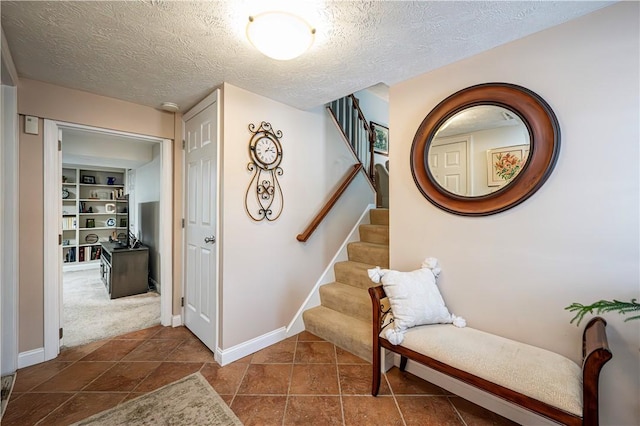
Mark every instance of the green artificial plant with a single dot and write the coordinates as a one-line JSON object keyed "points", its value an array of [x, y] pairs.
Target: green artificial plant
{"points": [[604, 306]]}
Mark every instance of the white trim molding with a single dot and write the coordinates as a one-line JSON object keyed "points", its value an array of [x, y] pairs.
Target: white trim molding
{"points": [[234, 353], [29, 358], [52, 224], [176, 321], [52, 249], [9, 221]]}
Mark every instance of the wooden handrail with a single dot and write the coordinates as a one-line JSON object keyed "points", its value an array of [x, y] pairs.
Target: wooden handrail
{"points": [[332, 201]]}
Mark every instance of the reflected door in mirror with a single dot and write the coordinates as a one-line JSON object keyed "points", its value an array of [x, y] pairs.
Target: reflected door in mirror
{"points": [[478, 150]]}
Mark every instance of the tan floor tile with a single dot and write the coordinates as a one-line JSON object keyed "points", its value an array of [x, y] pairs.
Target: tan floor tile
{"points": [[315, 353], [280, 353], [32, 407], [227, 399], [81, 406], [266, 379], [133, 395], [179, 333], [225, 380], [112, 350], [124, 376], [314, 379], [30, 377], [75, 377], [192, 350], [166, 373], [356, 380], [403, 383], [474, 415], [428, 411], [78, 352], [370, 411], [152, 350], [259, 410], [313, 410], [346, 357], [142, 334], [305, 336]]}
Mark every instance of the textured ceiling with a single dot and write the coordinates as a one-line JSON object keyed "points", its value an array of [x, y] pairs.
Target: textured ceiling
{"points": [[153, 51]]}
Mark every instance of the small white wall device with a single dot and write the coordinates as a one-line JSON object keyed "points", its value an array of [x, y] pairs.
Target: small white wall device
{"points": [[31, 124]]}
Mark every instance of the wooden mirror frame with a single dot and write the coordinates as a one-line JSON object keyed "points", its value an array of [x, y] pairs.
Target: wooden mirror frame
{"points": [[544, 133]]}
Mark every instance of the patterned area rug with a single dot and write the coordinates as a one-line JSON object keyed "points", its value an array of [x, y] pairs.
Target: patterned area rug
{"points": [[189, 401], [7, 387]]}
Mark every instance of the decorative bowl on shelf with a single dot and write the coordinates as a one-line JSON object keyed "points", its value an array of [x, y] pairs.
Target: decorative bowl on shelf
{"points": [[91, 238]]}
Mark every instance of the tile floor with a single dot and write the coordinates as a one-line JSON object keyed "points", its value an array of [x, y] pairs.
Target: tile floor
{"points": [[303, 380]]}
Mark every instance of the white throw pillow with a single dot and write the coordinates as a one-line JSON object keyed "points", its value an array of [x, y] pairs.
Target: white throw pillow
{"points": [[414, 298]]}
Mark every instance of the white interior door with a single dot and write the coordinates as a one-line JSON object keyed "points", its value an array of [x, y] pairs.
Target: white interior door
{"points": [[200, 302], [448, 164]]}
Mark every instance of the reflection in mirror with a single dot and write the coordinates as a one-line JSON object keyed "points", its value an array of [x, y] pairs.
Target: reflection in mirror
{"points": [[478, 150]]}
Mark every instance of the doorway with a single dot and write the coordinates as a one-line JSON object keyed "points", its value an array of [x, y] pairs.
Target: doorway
{"points": [[53, 133]]}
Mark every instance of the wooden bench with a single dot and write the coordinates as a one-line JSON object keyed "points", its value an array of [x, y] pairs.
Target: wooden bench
{"points": [[538, 380]]}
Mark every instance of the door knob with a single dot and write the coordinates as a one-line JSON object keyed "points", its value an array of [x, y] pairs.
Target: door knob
{"points": [[210, 240]]}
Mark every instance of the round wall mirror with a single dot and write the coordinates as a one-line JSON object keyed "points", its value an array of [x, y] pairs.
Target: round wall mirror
{"points": [[485, 149]]}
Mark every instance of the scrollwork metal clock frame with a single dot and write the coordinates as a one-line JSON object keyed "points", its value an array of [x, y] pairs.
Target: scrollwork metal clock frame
{"points": [[265, 151]]}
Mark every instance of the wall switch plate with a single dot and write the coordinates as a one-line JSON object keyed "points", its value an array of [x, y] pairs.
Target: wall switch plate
{"points": [[31, 124]]}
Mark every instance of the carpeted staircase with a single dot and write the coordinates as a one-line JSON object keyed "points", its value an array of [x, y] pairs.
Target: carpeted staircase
{"points": [[344, 315]]}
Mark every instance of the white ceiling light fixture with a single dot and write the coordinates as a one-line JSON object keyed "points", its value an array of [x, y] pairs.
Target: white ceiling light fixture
{"points": [[280, 35], [170, 106]]}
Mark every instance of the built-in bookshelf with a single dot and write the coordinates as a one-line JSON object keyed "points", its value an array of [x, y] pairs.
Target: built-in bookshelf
{"points": [[94, 209]]}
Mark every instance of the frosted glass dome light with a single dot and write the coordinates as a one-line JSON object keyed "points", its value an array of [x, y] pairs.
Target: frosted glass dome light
{"points": [[280, 35]]}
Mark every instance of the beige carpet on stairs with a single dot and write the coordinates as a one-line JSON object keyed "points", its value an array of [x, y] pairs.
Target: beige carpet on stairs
{"points": [[344, 315], [186, 402]]}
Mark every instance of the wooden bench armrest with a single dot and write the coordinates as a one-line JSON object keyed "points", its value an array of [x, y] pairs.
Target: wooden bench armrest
{"points": [[595, 354]]}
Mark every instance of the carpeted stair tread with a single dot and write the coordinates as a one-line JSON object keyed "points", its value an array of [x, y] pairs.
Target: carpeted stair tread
{"points": [[349, 300], [376, 254], [353, 273], [346, 332], [377, 234], [379, 216]]}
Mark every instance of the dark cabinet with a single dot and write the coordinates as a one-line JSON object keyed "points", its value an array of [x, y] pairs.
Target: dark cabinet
{"points": [[124, 271]]}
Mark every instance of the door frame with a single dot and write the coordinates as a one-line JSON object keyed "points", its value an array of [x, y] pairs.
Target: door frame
{"points": [[9, 221], [214, 97], [52, 255]]}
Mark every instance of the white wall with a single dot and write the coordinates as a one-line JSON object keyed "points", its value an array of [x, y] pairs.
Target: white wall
{"points": [[375, 109], [577, 238], [148, 178], [266, 273], [92, 149]]}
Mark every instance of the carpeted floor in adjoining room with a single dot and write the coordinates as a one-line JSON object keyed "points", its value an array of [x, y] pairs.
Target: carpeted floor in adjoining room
{"points": [[90, 315], [303, 380]]}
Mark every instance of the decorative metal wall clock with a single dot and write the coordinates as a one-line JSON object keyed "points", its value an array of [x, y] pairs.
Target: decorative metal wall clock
{"points": [[263, 199]]}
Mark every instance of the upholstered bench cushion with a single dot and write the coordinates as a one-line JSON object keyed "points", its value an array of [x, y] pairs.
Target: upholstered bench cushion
{"points": [[531, 371]]}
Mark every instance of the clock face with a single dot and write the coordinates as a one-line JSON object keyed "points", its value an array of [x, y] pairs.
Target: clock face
{"points": [[65, 193], [266, 151]]}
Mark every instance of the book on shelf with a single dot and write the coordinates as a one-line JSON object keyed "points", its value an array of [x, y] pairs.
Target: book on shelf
{"points": [[69, 223], [70, 255]]}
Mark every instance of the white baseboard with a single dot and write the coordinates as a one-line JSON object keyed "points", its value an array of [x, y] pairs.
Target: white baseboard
{"points": [[313, 299], [29, 358], [234, 353], [176, 321], [475, 395]]}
